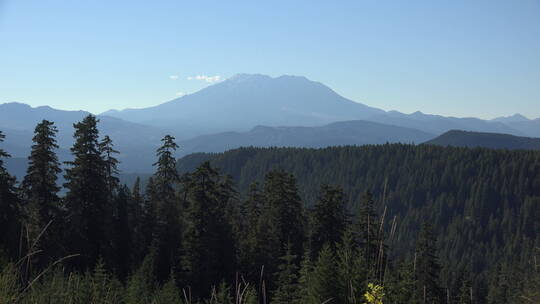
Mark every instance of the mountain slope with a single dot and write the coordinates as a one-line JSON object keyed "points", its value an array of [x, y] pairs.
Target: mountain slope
{"points": [[438, 124], [244, 101], [336, 134], [459, 138], [489, 198]]}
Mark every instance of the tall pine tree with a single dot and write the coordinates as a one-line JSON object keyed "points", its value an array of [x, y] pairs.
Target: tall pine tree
{"points": [[208, 235], [168, 230], [86, 199], [284, 211], [41, 193]]}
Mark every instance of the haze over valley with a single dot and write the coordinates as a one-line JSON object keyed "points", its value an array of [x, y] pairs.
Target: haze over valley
{"points": [[248, 110]]}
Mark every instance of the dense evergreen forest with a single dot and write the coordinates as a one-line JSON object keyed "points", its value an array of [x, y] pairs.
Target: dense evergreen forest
{"points": [[374, 224]]}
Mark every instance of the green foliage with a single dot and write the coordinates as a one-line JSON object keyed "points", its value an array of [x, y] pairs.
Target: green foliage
{"points": [[287, 279], [10, 209], [86, 202], [329, 218], [168, 293], [427, 268], [189, 233], [400, 284], [323, 285], [374, 294], [106, 147], [305, 279], [483, 203], [221, 295], [283, 216], [140, 285], [39, 184], [352, 269], [368, 236], [9, 289], [207, 237], [465, 295]]}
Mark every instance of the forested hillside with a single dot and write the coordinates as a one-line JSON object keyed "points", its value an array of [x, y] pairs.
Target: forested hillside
{"points": [[484, 204], [458, 138], [384, 224]]}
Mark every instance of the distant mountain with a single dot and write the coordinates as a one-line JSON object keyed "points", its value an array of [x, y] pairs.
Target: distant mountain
{"points": [[136, 142], [458, 138], [357, 132], [244, 101], [530, 128], [438, 124], [511, 119]]}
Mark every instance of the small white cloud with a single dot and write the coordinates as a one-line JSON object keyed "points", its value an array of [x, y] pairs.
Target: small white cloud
{"points": [[180, 94], [173, 77], [206, 78]]}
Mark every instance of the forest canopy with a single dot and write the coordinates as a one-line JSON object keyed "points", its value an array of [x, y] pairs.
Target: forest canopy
{"points": [[391, 223]]}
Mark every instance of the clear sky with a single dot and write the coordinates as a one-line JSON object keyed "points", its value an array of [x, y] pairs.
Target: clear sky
{"points": [[460, 57]]}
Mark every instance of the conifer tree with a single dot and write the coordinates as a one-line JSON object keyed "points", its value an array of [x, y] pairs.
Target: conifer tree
{"points": [[168, 231], [329, 218], [88, 212], [106, 147], [41, 192], [465, 291], [366, 231], [147, 225], [10, 213], [499, 286], [400, 284], [221, 295], [253, 234], [427, 268], [166, 175], [352, 271], [136, 222], [287, 279], [122, 233], [323, 284], [141, 284], [283, 212], [249, 296], [305, 279], [207, 236], [168, 293]]}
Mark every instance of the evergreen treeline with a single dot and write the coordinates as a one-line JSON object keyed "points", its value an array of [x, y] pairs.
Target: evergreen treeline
{"points": [[484, 204], [295, 234]]}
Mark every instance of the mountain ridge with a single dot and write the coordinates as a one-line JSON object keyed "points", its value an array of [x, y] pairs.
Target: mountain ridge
{"points": [[246, 100], [356, 132], [459, 138]]}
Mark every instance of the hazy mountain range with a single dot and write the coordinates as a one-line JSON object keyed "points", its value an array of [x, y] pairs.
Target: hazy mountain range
{"points": [[137, 142], [248, 110]]}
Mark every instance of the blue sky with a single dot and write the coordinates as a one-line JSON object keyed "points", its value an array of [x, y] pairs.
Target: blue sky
{"points": [[460, 58]]}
